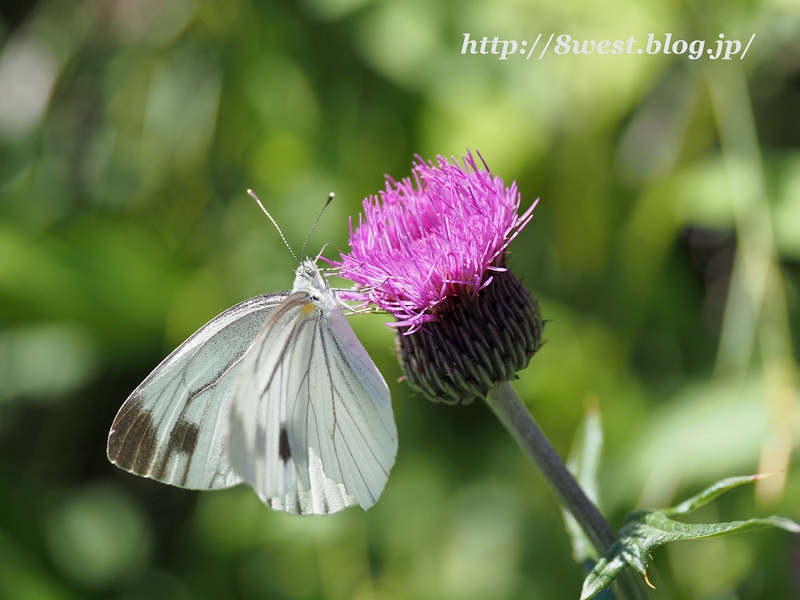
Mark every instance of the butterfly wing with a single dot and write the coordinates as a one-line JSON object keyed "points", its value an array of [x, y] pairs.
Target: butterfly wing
{"points": [[322, 495], [258, 439], [312, 429], [350, 424], [172, 427]]}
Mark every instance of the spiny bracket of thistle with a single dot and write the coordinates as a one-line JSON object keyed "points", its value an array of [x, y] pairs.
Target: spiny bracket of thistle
{"points": [[475, 342], [647, 529]]}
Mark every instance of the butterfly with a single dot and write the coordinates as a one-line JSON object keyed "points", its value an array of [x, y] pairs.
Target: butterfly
{"points": [[276, 392]]}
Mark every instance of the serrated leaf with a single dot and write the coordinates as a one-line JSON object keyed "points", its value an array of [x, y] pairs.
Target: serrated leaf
{"points": [[647, 529], [584, 464]]}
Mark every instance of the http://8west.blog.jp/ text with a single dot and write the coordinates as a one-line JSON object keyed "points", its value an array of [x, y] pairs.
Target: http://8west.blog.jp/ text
{"points": [[720, 49]]}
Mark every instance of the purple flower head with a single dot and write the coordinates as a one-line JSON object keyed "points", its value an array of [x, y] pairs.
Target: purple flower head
{"points": [[437, 235]]}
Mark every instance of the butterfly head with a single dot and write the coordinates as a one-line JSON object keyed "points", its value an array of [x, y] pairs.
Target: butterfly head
{"points": [[309, 279]]}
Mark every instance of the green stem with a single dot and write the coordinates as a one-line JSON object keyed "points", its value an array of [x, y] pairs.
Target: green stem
{"points": [[508, 407]]}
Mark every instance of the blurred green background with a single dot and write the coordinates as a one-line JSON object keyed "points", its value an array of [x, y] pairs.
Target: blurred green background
{"points": [[665, 250]]}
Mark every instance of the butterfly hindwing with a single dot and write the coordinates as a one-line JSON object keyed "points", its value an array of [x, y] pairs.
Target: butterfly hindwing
{"points": [[172, 427], [322, 496], [351, 424]]}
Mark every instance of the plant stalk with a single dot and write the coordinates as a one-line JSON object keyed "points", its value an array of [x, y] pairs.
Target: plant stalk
{"points": [[507, 406]]}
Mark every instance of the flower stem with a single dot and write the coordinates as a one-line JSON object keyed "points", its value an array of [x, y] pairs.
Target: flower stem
{"points": [[508, 407]]}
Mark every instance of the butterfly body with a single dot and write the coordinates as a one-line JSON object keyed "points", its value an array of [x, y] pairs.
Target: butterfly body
{"points": [[276, 392]]}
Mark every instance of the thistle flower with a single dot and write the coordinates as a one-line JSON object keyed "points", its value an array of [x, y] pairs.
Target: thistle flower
{"points": [[431, 251]]}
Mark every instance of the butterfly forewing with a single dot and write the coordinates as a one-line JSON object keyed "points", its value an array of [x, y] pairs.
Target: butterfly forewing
{"points": [[172, 427], [259, 437]]}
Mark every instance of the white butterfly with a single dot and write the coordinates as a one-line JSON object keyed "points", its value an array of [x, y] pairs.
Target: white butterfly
{"points": [[276, 392]]}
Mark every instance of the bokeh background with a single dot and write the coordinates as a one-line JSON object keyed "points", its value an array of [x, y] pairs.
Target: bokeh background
{"points": [[665, 251]]}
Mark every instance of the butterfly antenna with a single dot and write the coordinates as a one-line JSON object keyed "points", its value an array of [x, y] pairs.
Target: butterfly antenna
{"points": [[314, 226], [266, 212]]}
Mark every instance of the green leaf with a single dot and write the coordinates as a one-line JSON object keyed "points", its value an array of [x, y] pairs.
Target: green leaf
{"points": [[709, 494], [584, 464], [647, 529]]}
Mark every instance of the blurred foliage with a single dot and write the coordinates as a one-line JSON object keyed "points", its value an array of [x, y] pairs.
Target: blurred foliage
{"points": [[665, 250]]}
